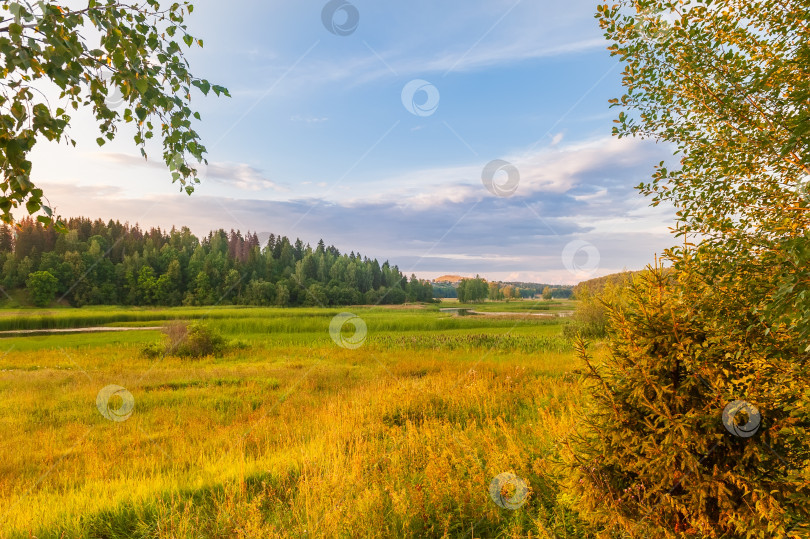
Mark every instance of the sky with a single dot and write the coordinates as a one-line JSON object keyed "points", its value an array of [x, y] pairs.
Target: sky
{"points": [[446, 137]]}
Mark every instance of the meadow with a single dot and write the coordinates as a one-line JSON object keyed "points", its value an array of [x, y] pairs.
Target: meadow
{"points": [[288, 433]]}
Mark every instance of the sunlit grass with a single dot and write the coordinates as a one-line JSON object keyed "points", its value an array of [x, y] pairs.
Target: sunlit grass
{"points": [[291, 435]]}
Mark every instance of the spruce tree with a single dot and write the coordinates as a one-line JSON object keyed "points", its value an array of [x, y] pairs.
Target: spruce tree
{"points": [[698, 422]]}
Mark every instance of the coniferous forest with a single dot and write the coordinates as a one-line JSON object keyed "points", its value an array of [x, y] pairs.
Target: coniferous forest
{"points": [[98, 263]]}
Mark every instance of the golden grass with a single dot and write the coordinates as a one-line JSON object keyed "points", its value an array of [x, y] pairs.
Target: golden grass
{"points": [[283, 440]]}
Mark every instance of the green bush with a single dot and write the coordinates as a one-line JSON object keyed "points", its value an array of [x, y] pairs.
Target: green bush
{"points": [[42, 286], [590, 320], [189, 340], [663, 449]]}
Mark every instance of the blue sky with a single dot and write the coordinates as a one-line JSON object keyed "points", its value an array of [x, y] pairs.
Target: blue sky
{"points": [[318, 140]]}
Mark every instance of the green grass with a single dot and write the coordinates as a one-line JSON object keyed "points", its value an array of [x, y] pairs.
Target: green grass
{"points": [[289, 436], [516, 306], [283, 319], [100, 316]]}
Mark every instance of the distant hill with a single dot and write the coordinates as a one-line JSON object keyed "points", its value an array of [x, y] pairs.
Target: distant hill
{"points": [[598, 284], [453, 279]]}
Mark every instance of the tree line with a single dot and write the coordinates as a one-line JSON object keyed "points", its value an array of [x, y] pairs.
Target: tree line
{"points": [[479, 289], [98, 263]]}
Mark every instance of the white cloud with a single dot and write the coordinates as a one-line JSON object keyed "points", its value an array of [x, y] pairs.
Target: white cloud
{"points": [[599, 195], [366, 68], [308, 119], [544, 170], [487, 257], [239, 175]]}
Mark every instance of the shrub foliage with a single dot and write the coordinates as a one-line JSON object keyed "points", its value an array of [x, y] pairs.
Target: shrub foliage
{"points": [[657, 457], [188, 340]]}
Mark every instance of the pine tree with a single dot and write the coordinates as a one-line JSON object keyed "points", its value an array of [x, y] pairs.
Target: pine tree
{"points": [[6, 239], [693, 429]]}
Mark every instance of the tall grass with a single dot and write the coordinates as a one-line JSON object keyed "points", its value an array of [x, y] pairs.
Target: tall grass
{"points": [[504, 342], [292, 437]]}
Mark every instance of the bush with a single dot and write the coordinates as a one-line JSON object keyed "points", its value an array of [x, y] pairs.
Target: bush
{"points": [[315, 296], [590, 319], [189, 340], [42, 287], [259, 292], [665, 448]]}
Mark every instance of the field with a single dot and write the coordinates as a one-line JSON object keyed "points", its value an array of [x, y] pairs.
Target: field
{"points": [[289, 433]]}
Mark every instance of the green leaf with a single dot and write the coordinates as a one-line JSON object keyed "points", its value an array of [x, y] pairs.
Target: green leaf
{"points": [[203, 85], [142, 85], [221, 90], [32, 205]]}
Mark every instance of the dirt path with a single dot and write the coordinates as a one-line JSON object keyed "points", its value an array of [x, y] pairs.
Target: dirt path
{"points": [[23, 332]]}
